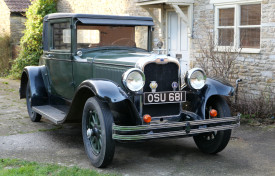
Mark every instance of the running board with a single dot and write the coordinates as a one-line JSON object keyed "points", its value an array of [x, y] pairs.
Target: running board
{"points": [[55, 115]]}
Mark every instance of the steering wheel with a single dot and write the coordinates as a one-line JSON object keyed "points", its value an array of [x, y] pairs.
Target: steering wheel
{"points": [[124, 42]]}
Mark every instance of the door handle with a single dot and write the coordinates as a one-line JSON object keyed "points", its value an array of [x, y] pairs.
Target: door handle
{"points": [[49, 55]]}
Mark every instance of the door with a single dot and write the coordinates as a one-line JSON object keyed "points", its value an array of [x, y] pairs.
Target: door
{"points": [[59, 59], [177, 39]]}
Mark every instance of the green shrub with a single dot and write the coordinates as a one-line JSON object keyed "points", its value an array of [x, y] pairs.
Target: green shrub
{"points": [[31, 42], [5, 54]]}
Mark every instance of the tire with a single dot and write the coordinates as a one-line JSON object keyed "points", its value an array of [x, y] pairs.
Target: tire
{"points": [[97, 132], [33, 115], [214, 142]]}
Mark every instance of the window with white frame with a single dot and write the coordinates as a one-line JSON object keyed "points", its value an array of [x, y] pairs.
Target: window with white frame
{"points": [[238, 26]]}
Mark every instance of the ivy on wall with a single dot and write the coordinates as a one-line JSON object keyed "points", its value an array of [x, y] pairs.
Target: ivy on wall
{"points": [[31, 42]]}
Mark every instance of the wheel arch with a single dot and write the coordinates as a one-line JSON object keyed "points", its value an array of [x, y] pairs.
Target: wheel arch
{"points": [[215, 89], [33, 75], [23, 84], [106, 91]]}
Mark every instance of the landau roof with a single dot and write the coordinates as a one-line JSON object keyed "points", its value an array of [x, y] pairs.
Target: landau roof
{"points": [[104, 19]]}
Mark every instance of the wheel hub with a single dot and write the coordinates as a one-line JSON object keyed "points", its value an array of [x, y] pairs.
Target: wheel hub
{"points": [[89, 133]]}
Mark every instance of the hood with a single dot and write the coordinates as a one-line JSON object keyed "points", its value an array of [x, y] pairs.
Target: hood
{"points": [[123, 57]]}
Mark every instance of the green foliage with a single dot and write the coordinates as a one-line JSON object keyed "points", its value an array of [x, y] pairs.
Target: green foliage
{"points": [[5, 54], [17, 167], [31, 42]]}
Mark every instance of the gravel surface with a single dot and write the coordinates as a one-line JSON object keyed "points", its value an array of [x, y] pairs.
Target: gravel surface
{"points": [[251, 150]]}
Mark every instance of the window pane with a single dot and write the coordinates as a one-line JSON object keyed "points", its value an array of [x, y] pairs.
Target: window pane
{"points": [[61, 36], [251, 14], [107, 36], [226, 17], [250, 38], [88, 36], [226, 37]]}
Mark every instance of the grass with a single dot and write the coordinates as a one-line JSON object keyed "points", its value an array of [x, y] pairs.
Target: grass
{"points": [[16, 167]]}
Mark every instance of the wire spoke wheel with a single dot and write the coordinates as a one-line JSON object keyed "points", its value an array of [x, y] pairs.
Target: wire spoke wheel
{"points": [[97, 122], [93, 126]]}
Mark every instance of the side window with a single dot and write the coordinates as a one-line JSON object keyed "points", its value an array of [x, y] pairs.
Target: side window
{"points": [[61, 36]]}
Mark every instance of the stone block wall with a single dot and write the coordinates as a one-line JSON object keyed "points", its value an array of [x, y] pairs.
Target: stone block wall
{"points": [[106, 7], [4, 18], [17, 27], [256, 70]]}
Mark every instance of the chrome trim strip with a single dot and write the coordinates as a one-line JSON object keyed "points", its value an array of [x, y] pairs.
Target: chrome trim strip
{"points": [[175, 124], [181, 133], [154, 58], [112, 64]]}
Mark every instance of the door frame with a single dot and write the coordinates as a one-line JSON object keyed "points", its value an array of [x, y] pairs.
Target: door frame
{"points": [[188, 38]]}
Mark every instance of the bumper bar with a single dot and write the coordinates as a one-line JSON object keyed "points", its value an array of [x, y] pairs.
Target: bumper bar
{"points": [[176, 129]]}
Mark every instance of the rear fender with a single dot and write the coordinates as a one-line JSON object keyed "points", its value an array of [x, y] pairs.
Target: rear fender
{"points": [[33, 75]]}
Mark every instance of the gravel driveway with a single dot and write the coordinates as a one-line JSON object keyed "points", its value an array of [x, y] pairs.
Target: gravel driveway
{"points": [[251, 150]]}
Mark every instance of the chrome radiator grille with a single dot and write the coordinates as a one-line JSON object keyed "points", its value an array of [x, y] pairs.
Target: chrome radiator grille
{"points": [[164, 75]]}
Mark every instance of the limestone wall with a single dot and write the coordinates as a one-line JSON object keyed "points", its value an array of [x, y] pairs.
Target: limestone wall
{"points": [[4, 18], [256, 70], [108, 7], [17, 27]]}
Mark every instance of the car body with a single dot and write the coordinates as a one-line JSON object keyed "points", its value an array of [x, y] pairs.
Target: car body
{"points": [[100, 70]]}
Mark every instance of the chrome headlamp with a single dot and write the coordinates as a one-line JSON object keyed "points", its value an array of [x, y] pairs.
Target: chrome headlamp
{"points": [[133, 79], [196, 78]]}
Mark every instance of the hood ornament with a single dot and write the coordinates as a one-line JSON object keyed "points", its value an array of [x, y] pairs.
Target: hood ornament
{"points": [[153, 85], [175, 85]]}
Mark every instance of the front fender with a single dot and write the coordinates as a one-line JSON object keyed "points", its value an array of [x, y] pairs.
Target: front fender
{"points": [[213, 88], [105, 90], [109, 92], [33, 75]]}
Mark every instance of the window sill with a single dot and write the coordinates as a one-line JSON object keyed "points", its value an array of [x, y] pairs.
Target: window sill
{"points": [[243, 50], [223, 2]]}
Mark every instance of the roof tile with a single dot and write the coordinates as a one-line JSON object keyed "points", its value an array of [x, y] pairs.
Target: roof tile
{"points": [[18, 5]]}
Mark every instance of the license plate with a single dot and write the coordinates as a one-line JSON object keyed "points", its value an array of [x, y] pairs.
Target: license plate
{"points": [[164, 97]]}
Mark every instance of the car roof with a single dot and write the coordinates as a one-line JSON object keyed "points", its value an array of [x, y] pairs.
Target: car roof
{"points": [[104, 19]]}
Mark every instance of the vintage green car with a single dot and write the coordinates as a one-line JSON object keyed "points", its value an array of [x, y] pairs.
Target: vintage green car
{"points": [[100, 70]]}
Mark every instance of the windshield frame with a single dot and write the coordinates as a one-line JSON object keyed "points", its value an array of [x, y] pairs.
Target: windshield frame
{"points": [[75, 45]]}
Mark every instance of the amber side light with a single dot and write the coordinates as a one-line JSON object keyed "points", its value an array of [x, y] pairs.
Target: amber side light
{"points": [[147, 118], [213, 113]]}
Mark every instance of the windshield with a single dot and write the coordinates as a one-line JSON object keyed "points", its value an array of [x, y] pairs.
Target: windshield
{"points": [[125, 36]]}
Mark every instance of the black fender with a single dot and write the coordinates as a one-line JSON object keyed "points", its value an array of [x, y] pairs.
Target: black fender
{"points": [[213, 88], [33, 75], [108, 92]]}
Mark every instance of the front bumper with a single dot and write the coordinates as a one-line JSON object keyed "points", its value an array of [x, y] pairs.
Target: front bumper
{"points": [[176, 129]]}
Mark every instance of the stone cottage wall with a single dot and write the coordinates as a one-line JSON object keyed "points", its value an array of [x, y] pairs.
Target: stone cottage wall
{"points": [[107, 7], [17, 27], [4, 18], [17, 23], [256, 70]]}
